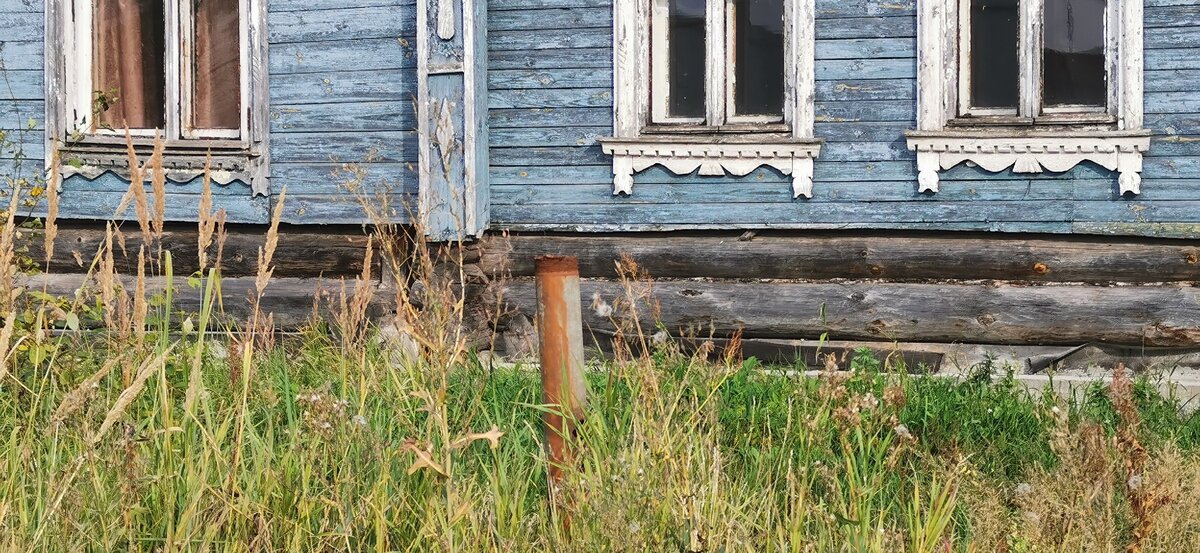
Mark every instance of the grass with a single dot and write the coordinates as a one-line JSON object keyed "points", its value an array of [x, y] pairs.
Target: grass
{"points": [[167, 431], [677, 454]]}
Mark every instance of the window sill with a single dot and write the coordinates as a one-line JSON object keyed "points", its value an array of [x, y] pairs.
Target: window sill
{"points": [[1029, 151], [738, 155], [183, 161]]}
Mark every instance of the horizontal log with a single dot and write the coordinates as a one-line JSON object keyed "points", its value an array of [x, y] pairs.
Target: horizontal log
{"points": [[820, 257], [303, 253], [291, 301], [979, 313]]}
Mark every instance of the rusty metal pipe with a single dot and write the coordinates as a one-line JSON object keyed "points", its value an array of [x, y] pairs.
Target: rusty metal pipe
{"points": [[560, 337]]}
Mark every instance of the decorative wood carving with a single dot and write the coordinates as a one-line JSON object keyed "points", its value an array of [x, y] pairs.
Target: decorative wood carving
{"points": [[789, 156], [945, 137], [443, 133], [445, 19], [1115, 151], [634, 149]]}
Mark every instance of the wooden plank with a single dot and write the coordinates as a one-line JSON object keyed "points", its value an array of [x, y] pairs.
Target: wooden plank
{"points": [[328, 252], [775, 255], [290, 300], [343, 208], [345, 146], [392, 52], [20, 56], [343, 86], [1149, 315], [396, 115], [342, 24], [18, 6]]}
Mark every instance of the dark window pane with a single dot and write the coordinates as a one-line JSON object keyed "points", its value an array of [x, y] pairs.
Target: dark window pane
{"points": [[217, 74], [994, 38], [1074, 53], [758, 57], [128, 69], [686, 74]]}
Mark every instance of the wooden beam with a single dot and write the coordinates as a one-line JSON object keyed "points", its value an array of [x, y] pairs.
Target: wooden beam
{"points": [[331, 252], [291, 300], [983, 313], [821, 257]]}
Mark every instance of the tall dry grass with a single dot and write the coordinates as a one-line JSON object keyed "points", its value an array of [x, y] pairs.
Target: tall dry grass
{"points": [[146, 428]]}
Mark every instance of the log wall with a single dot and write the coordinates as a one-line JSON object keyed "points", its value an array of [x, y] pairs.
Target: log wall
{"points": [[984, 289]]}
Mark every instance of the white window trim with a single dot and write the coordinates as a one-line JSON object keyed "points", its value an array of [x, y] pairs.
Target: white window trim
{"points": [[790, 151], [239, 155], [944, 139]]}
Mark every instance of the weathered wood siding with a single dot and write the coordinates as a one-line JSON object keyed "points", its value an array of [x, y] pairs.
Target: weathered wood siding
{"points": [[342, 77], [21, 105], [550, 86], [343, 82]]}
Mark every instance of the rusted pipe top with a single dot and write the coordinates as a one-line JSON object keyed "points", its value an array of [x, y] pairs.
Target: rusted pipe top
{"points": [[556, 265]]}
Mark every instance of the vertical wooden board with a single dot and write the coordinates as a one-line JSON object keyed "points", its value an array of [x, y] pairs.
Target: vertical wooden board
{"points": [[445, 41], [442, 173], [476, 158]]}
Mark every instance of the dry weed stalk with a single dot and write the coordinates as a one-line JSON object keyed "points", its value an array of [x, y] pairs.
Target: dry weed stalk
{"points": [[140, 305], [52, 190], [6, 334], [351, 315], [158, 185], [147, 368], [113, 295], [8, 258], [207, 223], [430, 284], [78, 397], [137, 189], [630, 312], [1145, 499]]}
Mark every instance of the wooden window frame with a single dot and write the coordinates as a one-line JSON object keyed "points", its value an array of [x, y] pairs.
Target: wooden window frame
{"points": [[237, 154], [1031, 139], [1030, 107], [736, 145], [720, 78]]}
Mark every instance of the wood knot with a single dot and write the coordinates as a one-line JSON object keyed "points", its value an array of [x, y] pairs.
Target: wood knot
{"points": [[688, 292], [876, 270], [986, 319], [1040, 268], [1192, 258]]}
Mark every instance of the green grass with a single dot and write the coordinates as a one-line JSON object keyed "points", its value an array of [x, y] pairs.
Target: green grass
{"points": [[675, 455]]}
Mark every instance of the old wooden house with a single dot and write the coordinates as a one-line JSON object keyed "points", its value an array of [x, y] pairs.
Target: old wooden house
{"points": [[973, 171]]}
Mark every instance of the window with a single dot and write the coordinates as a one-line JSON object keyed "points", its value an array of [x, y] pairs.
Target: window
{"points": [[182, 70], [1031, 85], [1065, 67], [745, 81], [719, 86]]}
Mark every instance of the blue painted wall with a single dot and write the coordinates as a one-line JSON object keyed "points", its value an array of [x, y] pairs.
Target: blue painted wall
{"points": [[342, 77], [551, 97], [342, 80]]}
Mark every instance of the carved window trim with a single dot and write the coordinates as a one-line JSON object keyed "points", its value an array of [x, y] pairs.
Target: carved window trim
{"points": [[739, 149], [1030, 142], [236, 156]]}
